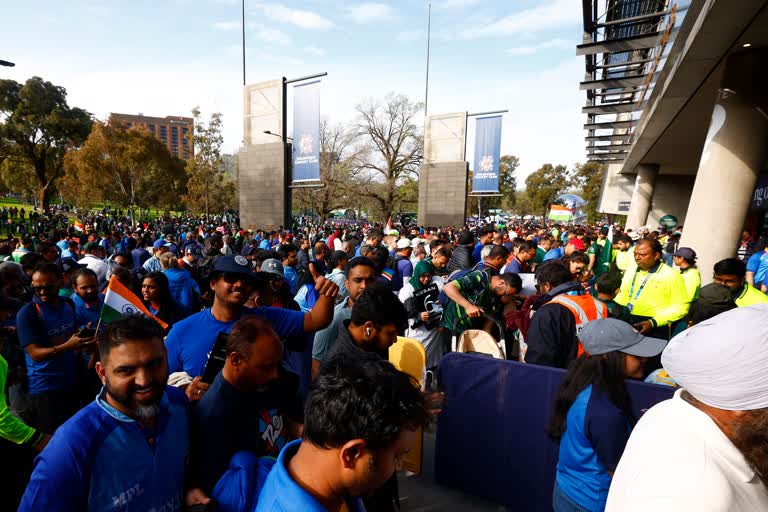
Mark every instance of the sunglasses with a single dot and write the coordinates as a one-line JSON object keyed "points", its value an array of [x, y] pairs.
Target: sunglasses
{"points": [[234, 277], [44, 288]]}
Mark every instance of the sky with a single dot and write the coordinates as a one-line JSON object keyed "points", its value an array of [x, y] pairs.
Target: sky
{"points": [[164, 57]]}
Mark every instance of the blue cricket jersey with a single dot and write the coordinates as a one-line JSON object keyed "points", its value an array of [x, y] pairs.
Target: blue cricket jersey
{"points": [[190, 341], [101, 460]]}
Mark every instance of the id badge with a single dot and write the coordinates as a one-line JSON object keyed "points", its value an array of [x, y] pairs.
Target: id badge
{"points": [[630, 307]]}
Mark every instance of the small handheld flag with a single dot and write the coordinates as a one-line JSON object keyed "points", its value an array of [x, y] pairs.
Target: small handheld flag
{"points": [[119, 301]]}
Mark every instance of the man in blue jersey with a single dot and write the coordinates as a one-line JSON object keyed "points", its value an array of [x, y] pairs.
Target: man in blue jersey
{"points": [[126, 450], [345, 454], [190, 341], [48, 334]]}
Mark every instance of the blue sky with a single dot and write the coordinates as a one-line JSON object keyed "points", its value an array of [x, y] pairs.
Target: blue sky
{"points": [[163, 57]]}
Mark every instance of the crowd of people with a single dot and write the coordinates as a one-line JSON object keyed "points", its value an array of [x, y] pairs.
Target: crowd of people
{"points": [[263, 344]]}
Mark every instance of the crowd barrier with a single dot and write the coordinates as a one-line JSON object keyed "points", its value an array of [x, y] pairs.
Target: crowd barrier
{"points": [[491, 441]]}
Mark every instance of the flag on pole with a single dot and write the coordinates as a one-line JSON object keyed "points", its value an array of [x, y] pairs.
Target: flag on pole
{"points": [[79, 226], [120, 301], [389, 229]]}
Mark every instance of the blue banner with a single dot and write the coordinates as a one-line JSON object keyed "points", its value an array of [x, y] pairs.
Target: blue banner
{"points": [[485, 173], [306, 132]]}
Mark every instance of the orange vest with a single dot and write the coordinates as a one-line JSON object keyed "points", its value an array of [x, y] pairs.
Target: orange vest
{"points": [[584, 309]]}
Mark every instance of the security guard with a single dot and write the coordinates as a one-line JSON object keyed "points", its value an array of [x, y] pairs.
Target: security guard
{"points": [[731, 272], [685, 259], [653, 292]]}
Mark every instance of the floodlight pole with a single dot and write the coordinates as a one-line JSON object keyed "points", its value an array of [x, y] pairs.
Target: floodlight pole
{"points": [[243, 23], [426, 86]]}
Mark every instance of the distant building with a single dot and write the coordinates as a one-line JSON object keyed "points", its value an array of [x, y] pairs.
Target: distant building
{"points": [[173, 131]]}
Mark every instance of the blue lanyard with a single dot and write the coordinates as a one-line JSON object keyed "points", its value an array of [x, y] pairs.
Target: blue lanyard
{"points": [[642, 285]]}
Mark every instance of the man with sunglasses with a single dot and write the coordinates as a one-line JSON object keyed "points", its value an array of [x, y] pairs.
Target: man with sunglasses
{"points": [[190, 341], [47, 333]]}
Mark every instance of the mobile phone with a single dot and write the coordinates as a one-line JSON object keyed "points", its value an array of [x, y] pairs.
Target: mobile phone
{"points": [[86, 333]]}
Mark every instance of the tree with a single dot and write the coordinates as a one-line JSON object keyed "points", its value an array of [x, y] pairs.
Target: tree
{"points": [[130, 167], [588, 179], [39, 127], [207, 183], [391, 148], [336, 160], [508, 165], [18, 176], [544, 185]]}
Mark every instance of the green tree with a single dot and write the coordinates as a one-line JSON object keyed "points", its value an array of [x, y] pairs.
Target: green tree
{"points": [[18, 176], [391, 148], [207, 186], [129, 167], [587, 179], [39, 127], [544, 185]]}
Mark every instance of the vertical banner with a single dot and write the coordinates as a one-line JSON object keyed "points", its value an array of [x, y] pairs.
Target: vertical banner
{"points": [[485, 173], [306, 132]]}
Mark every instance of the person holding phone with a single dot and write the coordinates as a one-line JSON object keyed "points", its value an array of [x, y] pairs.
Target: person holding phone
{"points": [[47, 329]]}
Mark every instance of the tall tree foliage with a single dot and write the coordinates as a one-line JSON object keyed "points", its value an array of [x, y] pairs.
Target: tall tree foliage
{"points": [[544, 185], [587, 180], [129, 167], [38, 127], [391, 148], [208, 186]]}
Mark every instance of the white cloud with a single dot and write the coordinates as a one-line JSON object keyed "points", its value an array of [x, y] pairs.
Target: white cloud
{"points": [[557, 13], [227, 26], [299, 17], [530, 50], [370, 12], [314, 50]]}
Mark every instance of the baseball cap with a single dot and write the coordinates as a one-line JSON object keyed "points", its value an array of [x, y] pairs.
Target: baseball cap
{"points": [[686, 252], [272, 266], [233, 264], [67, 264], [194, 250], [577, 244], [606, 335], [415, 242], [403, 243], [634, 235], [160, 243]]}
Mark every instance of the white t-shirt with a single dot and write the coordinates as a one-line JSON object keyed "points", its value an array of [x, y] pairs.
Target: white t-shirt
{"points": [[99, 266], [677, 458]]}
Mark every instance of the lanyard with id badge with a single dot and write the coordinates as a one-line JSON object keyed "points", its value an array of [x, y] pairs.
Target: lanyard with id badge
{"points": [[632, 296]]}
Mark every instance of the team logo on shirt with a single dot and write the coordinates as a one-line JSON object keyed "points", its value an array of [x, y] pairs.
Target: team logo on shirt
{"points": [[272, 430]]}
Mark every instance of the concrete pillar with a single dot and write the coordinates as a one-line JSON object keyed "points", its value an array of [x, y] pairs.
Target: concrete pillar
{"points": [[443, 176], [641, 196], [734, 152]]}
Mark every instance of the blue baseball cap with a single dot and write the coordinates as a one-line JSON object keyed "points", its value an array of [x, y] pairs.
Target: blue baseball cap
{"points": [[160, 243]]}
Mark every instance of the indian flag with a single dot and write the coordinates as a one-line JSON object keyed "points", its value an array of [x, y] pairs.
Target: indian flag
{"points": [[120, 301], [79, 226], [561, 213]]}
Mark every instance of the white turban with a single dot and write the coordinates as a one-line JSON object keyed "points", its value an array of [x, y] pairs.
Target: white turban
{"points": [[723, 361]]}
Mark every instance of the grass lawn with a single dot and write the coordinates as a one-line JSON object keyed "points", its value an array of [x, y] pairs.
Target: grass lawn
{"points": [[9, 202]]}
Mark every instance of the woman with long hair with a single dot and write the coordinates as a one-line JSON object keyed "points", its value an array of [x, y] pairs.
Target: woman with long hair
{"points": [[156, 296], [592, 417]]}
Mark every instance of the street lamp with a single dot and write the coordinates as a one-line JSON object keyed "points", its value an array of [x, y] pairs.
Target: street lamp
{"points": [[276, 134], [6, 63]]}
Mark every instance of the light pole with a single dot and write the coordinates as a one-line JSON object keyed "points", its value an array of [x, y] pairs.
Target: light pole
{"points": [[426, 86], [243, 23]]}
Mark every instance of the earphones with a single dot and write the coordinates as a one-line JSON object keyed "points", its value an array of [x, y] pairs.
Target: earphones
{"points": [[368, 331]]}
